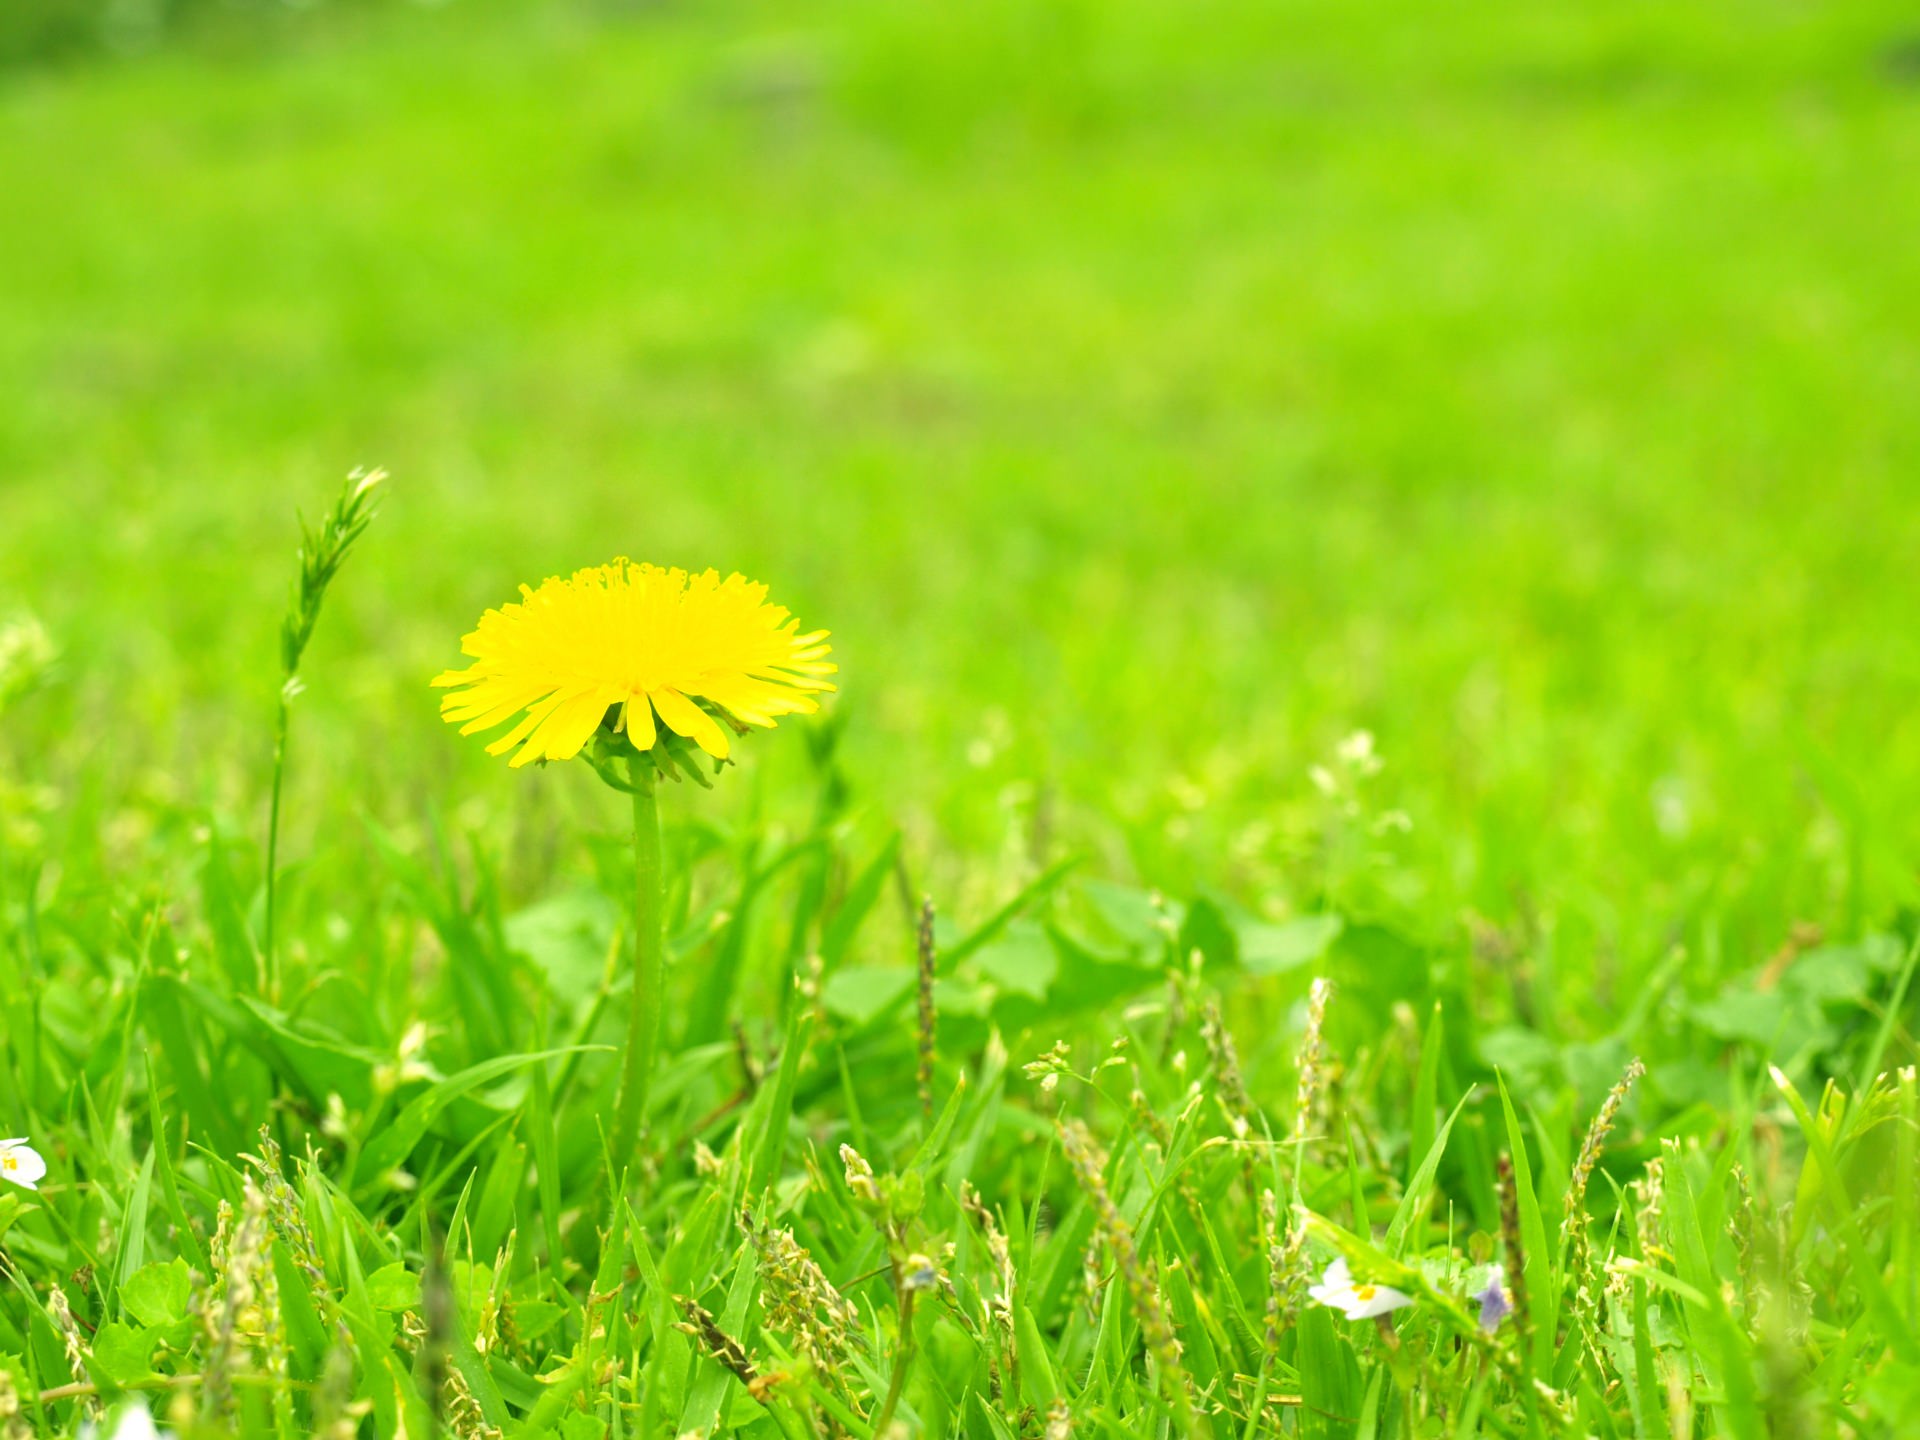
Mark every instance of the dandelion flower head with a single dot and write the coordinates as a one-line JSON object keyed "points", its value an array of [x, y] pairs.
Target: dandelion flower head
{"points": [[625, 644]]}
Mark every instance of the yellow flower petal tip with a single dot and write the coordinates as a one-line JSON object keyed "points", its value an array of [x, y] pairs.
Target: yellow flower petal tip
{"points": [[627, 644]]}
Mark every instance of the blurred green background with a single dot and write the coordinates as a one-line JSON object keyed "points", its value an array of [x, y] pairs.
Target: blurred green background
{"points": [[1146, 395]]}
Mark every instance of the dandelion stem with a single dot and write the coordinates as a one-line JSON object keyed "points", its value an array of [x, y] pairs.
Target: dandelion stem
{"points": [[649, 959]]}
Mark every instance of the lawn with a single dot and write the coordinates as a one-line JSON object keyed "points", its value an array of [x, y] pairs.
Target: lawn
{"points": [[1419, 500]]}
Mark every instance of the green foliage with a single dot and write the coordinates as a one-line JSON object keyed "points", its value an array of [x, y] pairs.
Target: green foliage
{"points": [[802, 1252], [44, 32], [1149, 398]]}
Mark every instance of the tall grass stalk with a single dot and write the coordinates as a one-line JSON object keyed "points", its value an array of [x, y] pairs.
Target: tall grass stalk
{"points": [[1089, 1165], [323, 549], [924, 1075]]}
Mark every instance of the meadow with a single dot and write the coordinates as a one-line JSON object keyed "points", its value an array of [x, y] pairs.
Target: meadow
{"points": [[1370, 552]]}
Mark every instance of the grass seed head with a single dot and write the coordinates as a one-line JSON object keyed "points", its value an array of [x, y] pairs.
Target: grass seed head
{"points": [[1312, 1079], [1597, 1133], [860, 1178], [798, 1302], [14, 1424], [238, 1316], [1235, 1103], [72, 1342], [1089, 1164], [999, 1302], [1516, 1258], [323, 550]]}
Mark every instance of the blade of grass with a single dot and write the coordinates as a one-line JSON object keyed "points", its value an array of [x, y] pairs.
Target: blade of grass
{"points": [[1543, 1295], [1864, 1272]]}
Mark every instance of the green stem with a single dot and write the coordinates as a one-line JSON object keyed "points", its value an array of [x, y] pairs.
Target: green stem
{"points": [[649, 961], [269, 959], [903, 1356]]}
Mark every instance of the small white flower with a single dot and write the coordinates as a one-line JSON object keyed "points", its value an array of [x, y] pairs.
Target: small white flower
{"points": [[1356, 1302], [133, 1423], [1357, 753], [21, 1163]]}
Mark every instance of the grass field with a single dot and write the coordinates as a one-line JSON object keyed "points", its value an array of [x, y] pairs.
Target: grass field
{"points": [[1416, 499]]}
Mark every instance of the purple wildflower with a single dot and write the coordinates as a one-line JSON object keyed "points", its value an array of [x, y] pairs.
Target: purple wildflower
{"points": [[1494, 1304]]}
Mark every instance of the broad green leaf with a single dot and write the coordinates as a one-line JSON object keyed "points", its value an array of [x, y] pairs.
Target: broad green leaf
{"points": [[859, 993], [158, 1293], [393, 1287], [394, 1143], [124, 1352], [1277, 949]]}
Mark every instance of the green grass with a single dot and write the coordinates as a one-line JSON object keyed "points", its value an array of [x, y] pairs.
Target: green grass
{"points": [[1149, 398]]}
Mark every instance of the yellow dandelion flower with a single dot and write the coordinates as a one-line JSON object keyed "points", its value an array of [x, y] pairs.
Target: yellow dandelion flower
{"points": [[624, 643]]}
